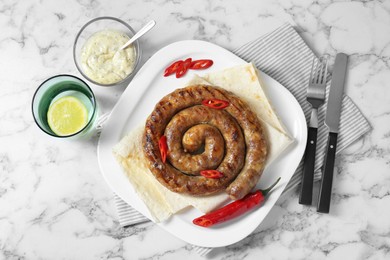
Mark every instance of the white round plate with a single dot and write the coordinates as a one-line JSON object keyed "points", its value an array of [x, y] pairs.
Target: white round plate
{"points": [[139, 99]]}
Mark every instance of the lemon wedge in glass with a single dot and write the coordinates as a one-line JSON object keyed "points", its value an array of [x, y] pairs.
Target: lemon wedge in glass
{"points": [[67, 116]]}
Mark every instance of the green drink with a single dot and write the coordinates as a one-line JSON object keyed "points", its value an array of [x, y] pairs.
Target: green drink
{"points": [[65, 106]]}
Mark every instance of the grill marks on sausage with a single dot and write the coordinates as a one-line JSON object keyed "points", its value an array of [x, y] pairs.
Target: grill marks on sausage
{"points": [[213, 138], [231, 141]]}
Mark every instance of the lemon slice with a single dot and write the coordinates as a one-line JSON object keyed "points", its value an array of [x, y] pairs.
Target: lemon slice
{"points": [[67, 116]]}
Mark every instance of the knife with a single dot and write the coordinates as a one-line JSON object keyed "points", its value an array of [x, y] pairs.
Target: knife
{"points": [[332, 120]]}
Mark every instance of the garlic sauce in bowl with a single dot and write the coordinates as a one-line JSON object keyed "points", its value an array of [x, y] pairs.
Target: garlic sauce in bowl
{"points": [[101, 59], [97, 54]]}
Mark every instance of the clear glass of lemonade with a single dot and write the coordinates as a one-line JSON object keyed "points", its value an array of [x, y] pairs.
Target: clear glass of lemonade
{"points": [[64, 106]]}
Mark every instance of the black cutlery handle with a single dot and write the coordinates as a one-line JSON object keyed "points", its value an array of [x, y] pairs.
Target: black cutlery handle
{"points": [[306, 194], [327, 175]]}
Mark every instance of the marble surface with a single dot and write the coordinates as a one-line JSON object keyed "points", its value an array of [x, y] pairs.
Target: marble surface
{"points": [[54, 204]]}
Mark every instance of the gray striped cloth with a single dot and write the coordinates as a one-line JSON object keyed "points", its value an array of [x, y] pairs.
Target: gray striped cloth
{"points": [[283, 55]]}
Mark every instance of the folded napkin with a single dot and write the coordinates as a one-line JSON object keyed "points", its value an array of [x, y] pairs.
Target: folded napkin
{"points": [[283, 55]]}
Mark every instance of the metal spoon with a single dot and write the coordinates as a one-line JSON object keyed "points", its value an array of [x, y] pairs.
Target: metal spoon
{"points": [[141, 32]]}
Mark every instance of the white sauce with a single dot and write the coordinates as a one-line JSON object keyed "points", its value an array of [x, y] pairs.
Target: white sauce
{"points": [[102, 62]]}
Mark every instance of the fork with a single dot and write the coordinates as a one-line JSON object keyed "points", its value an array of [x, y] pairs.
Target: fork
{"points": [[316, 97]]}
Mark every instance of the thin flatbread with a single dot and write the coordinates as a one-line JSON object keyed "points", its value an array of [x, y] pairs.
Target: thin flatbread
{"points": [[244, 81]]}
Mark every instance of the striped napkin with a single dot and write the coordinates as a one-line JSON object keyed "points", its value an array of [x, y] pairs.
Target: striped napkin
{"points": [[283, 55]]}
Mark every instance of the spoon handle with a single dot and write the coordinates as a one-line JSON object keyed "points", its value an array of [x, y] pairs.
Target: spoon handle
{"points": [[141, 32]]}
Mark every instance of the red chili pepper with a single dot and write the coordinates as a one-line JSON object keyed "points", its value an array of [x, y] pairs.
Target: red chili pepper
{"points": [[201, 64], [162, 144], [233, 209], [183, 68], [172, 68], [215, 103], [213, 174]]}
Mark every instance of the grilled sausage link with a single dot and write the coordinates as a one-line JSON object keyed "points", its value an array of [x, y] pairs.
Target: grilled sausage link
{"points": [[201, 138]]}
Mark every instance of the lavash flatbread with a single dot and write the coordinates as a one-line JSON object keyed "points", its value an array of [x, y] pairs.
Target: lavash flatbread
{"points": [[242, 80]]}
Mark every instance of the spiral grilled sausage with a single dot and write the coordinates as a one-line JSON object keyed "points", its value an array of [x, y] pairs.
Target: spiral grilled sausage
{"points": [[201, 138]]}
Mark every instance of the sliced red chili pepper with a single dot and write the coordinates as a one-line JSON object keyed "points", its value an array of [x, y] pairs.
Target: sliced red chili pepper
{"points": [[233, 209], [213, 174], [172, 68], [215, 103], [201, 64], [183, 68], [162, 144]]}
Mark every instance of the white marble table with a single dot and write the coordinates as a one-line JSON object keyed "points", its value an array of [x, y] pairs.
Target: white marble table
{"points": [[54, 204]]}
